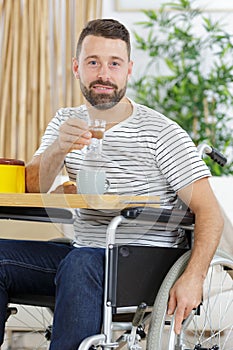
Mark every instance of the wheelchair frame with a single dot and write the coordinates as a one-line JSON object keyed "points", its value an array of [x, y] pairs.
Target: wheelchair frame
{"points": [[157, 318]]}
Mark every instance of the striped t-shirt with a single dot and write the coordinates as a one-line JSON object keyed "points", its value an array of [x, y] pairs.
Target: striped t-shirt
{"points": [[146, 154]]}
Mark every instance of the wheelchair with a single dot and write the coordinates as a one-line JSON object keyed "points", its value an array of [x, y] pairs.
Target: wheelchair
{"points": [[137, 284]]}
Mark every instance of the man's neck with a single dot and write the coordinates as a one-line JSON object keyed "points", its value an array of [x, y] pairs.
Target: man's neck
{"points": [[114, 115]]}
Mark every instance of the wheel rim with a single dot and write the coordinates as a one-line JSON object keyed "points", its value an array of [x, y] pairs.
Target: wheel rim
{"points": [[213, 328], [29, 325]]}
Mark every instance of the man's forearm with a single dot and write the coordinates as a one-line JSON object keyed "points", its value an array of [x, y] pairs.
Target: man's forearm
{"points": [[186, 293], [208, 229], [208, 224], [43, 169]]}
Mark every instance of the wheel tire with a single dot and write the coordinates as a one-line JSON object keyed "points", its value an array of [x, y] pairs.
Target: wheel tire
{"points": [[214, 326]]}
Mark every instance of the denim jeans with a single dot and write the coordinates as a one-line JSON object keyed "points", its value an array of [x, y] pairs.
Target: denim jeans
{"points": [[74, 275]]}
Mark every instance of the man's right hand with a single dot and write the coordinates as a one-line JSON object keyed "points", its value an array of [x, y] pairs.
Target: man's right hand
{"points": [[73, 135], [42, 170]]}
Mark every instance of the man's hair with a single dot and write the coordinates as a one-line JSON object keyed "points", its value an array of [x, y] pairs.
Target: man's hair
{"points": [[106, 28]]}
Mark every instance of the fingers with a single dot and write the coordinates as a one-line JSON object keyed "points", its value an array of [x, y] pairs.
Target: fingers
{"points": [[179, 310], [181, 303], [181, 313], [179, 317], [74, 134], [171, 303], [71, 142]]}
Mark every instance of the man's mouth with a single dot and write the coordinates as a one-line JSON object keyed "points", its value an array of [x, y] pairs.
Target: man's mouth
{"points": [[103, 88]]}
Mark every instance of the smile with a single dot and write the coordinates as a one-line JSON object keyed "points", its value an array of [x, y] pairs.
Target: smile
{"points": [[103, 88]]}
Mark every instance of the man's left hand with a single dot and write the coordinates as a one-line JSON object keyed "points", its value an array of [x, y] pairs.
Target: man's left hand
{"points": [[185, 295]]}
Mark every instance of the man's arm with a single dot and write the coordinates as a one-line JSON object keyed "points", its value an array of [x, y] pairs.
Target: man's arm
{"points": [[42, 170], [186, 294]]}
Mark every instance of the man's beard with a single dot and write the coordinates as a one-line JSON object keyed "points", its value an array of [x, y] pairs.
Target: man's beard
{"points": [[102, 101]]}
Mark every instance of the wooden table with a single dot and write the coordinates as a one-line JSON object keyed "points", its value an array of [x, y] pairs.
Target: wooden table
{"points": [[106, 201], [32, 230]]}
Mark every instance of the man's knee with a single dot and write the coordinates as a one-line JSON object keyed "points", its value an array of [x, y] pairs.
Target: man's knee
{"points": [[82, 262]]}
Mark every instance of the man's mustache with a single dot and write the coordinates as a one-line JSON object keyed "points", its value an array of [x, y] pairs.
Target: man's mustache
{"points": [[101, 82]]}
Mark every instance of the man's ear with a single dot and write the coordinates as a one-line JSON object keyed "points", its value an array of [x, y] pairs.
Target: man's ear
{"points": [[130, 68], [75, 67]]}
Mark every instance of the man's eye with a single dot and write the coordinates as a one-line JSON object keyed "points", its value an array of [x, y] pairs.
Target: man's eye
{"points": [[115, 64], [92, 63]]}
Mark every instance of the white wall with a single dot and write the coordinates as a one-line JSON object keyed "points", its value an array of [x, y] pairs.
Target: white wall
{"points": [[128, 19], [224, 14], [223, 189]]}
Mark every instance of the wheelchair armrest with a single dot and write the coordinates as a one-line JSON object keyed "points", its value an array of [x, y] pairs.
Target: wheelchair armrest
{"points": [[173, 216], [57, 215]]}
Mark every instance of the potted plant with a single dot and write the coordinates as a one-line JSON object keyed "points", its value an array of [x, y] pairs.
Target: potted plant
{"points": [[189, 77]]}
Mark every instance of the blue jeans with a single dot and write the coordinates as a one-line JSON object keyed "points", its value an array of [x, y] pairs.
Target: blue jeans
{"points": [[74, 275]]}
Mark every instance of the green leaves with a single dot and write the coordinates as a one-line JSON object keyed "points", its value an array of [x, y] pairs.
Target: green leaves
{"points": [[189, 77]]}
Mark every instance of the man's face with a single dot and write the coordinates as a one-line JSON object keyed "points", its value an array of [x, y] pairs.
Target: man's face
{"points": [[103, 70]]}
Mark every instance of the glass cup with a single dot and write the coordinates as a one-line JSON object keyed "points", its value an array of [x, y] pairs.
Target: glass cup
{"points": [[97, 128]]}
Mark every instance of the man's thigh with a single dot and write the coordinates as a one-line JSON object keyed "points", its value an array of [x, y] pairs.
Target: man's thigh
{"points": [[30, 266]]}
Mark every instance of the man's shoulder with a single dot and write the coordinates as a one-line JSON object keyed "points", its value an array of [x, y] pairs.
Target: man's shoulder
{"points": [[150, 115], [72, 111], [65, 113]]}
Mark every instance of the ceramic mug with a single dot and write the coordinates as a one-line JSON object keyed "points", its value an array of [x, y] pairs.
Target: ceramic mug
{"points": [[92, 182], [12, 176]]}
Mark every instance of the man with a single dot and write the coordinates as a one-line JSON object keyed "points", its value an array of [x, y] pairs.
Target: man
{"points": [[145, 153]]}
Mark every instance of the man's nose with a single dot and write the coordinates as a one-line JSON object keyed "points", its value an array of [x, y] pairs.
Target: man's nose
{"points": [[104, 72]]}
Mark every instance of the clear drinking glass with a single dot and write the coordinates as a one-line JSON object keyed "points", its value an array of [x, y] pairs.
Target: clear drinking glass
{"points": [[97, 128]]}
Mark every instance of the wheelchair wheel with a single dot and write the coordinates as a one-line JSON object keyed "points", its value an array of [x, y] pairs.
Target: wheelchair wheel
{"points": [[27, 327], [210, 327]]}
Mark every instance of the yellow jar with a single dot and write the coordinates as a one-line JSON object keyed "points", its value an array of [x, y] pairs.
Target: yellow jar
{"points": [[12, 176]]}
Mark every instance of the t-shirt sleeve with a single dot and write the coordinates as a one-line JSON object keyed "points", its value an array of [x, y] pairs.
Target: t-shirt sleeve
{"points": [[50, 134], [178, 159]]}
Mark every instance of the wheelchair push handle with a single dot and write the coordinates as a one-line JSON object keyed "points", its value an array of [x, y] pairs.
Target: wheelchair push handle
{"points": [[217, 157], [213, 153]]}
